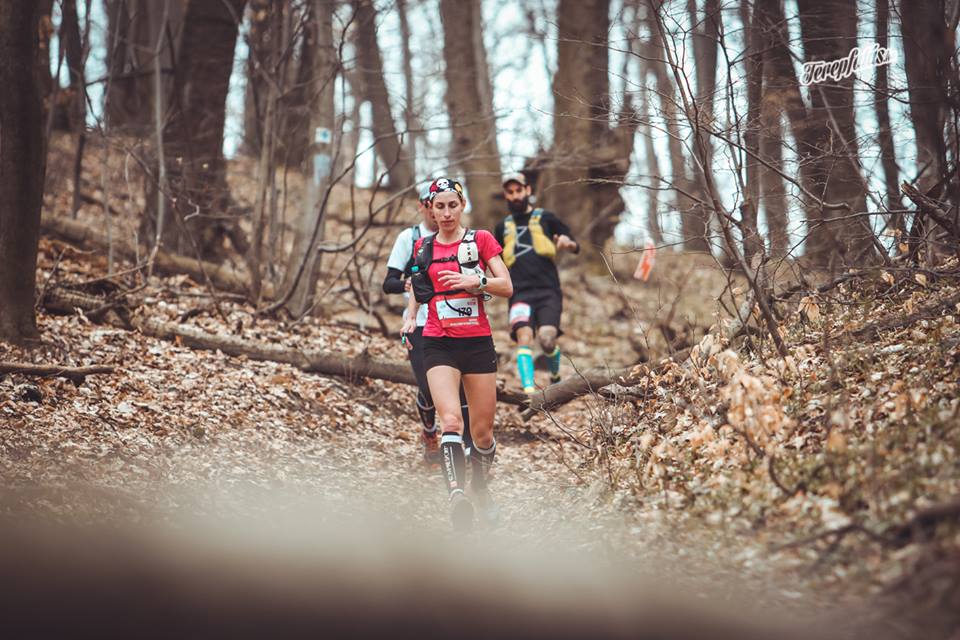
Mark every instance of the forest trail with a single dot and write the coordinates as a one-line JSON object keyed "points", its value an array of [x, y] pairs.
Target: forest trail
{"points": [[658, 496], [272, 458]]}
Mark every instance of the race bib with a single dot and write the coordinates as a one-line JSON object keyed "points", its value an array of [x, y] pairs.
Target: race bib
{"points": [[519, 312], [458, 311]]}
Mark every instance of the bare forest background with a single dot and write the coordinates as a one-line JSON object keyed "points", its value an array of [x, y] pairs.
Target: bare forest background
{"points": [[682, 124]]}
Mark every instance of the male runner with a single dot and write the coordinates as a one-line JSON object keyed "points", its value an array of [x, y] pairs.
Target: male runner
{"points": [[531, 239], [398, 281]]}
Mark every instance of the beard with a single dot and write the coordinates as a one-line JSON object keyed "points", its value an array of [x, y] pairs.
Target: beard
{"points": [[518, 206]]}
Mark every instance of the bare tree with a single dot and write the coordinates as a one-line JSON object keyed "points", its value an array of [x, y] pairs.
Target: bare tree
{"points": [[298, 72], [193, 133], [137, 30], [705, 34], [833, 187], [752, 242], [693, 225], [772, 187], [640, 50], [22, 166], [926, 55], [837, 235], [888, 156], [261, 18], [303, 267], [373, 89], [410, 116], [74, 99], [470, 105], [591, 151]]}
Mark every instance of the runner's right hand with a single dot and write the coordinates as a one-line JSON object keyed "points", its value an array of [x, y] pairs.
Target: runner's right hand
{"points": [[407, 285], [409, 326]]}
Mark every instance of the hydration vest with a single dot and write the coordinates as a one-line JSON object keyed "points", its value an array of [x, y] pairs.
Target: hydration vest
{"points": [[542, 245], [468, 259]]}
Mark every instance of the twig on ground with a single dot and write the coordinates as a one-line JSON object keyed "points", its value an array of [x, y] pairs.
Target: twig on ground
{"points": [[74, 374]]}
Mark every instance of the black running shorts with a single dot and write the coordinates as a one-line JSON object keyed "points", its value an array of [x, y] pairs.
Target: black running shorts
{"points": [[468, 355], [535, 308]]}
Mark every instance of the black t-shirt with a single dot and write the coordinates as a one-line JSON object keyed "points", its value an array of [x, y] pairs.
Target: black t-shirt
{"points": [[533, 271]]}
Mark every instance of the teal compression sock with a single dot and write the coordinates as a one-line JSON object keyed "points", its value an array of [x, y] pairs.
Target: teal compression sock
{"points": [[554, 362], [525, 368]]}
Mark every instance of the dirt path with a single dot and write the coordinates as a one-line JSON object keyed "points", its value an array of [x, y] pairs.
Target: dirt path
{"points": [[271, 459]]}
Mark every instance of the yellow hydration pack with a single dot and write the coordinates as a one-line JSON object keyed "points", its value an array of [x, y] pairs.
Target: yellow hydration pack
{"points": [[542, 245]]}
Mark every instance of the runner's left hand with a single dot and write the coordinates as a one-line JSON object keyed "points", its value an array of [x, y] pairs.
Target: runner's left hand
{"points": [[457, 280], [564, 243]]}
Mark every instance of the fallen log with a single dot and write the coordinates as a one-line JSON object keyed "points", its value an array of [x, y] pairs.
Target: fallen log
{"points": [[76, 375], [929, 312], [591, 381], [329, 363], [222, 277]]}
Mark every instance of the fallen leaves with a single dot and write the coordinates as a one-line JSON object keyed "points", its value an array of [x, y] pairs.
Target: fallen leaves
{"points": [[823, 439], [810, 308]]}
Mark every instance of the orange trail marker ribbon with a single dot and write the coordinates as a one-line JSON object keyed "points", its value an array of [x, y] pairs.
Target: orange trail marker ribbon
{"points": [[646, 262]]}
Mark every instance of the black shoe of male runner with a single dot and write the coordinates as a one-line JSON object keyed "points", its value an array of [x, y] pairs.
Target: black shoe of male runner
{"points": [[541, 362]]}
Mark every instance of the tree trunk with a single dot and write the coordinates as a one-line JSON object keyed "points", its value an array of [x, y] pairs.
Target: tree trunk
{"points": [[590, 155], [73, 99], [45, 11], [653, 164], [829, 33], [469, 98], [888, 156], [693, 226], [772, 194], [373, 89], [258, 64], [926, 59], [752, 242], [705, 47], [137, 30], [22, 166], [303, 269], [773, 190], [410, 111], [296, 107], [193, 135], [219, 277]]}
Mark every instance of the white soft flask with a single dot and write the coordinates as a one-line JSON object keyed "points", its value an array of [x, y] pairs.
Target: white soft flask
{"points": [[468, 257]]}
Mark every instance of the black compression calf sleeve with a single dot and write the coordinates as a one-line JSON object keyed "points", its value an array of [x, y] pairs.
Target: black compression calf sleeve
{"points": [[481, 460], [428, 414], [467, 438], [454, 462]]}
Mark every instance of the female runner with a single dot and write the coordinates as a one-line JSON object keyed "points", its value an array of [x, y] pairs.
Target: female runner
{"points": [[457, 344]]}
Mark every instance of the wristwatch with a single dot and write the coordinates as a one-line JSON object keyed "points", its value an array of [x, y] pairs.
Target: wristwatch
{"points": [[483, 283]]}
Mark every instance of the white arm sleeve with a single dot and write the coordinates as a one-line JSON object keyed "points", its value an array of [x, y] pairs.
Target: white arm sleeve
{"points": [[402, 250]]}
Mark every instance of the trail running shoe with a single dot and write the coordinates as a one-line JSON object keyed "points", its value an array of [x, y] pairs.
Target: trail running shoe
{"points": [[431, 447], [488, 510], [461, 512], [555, 379]]}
